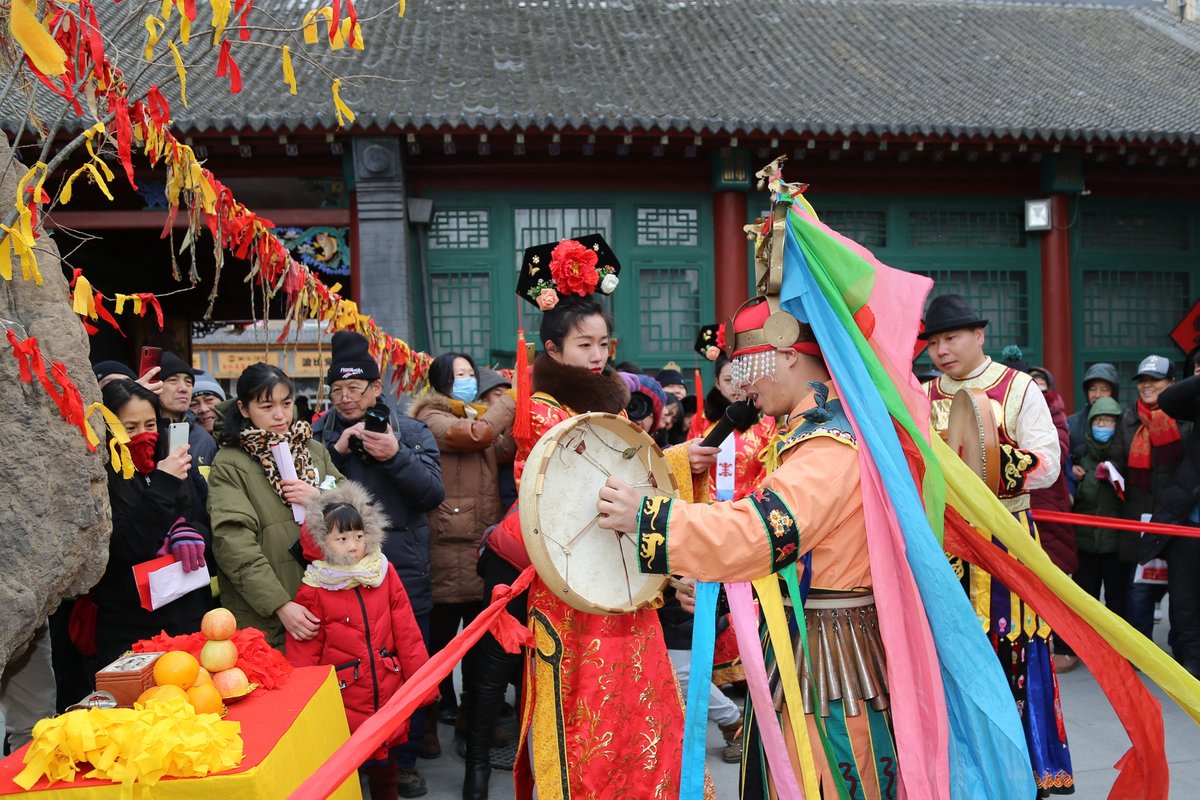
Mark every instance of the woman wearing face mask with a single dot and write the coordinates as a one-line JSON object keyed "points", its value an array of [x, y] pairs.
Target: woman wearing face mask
{"points": [[1095, 495], [255, 535], [155, 512], [474, 438], [609, 679]]}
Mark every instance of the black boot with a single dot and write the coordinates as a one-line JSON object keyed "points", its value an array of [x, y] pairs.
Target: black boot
{"points": [[475, 782]]}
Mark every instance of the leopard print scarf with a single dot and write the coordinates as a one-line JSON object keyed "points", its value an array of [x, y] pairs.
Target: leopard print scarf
{"points": [[257, 444]]}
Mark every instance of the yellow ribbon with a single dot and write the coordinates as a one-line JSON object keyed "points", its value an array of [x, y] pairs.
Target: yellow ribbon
{"points": [[180, 71], [983, 510], [344, 113], [29, 32], [118, 441], [289, 75], [220, 18], [154, 32], [771, 602]]}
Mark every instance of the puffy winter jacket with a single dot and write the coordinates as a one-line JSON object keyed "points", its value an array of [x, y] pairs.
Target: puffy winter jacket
{"points": [[406, 486], [1077, 423], [368, 634]]}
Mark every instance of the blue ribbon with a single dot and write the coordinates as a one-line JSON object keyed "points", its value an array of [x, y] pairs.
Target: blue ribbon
{"points": [[695, 726]]}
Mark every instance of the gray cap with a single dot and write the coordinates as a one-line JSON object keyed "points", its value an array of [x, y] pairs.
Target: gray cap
{"points": [[489, 379], [206, 385], [1156, 368]]}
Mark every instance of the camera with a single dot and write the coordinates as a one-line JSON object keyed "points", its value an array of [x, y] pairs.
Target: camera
{"points": [[639, 407], [375, 420]]}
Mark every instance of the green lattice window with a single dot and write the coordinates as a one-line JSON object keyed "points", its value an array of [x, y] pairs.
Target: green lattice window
{"points": [[999, 296], [460, 229], [1134, 311], [868, 228], [460, 305], [535, 226], [1135, 231], [669, 308], [668, 227], [968, 230]]}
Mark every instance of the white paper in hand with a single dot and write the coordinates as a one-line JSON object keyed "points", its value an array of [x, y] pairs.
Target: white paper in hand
{"points": [[1114, 477], [171, 583], [287, 471]]}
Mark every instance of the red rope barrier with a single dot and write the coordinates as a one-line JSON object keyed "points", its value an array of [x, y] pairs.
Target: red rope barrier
{"points": [[1040, 515], [384, 722]]}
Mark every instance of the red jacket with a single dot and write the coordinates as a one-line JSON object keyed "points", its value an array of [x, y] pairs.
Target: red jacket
{"points": [[371, 637]]}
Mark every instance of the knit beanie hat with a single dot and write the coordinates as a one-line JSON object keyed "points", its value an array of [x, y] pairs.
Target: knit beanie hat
{"points": [[103, 368], [350, 358], [172, 364], [206, 385]]}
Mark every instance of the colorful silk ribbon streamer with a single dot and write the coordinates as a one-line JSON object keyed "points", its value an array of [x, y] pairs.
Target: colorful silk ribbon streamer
{"points": [[695, 725], [986, 744]]}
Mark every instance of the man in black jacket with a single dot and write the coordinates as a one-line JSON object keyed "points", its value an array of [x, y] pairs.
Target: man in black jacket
{"points": [[1179, 504], [400, 465]]}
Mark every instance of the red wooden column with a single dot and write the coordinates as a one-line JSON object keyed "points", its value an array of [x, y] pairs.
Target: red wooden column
{"points": [[1057, 330], [729, 252]]}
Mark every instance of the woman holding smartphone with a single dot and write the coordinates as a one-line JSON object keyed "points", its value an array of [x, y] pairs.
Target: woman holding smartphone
{"points": [[155, 512], [255, 533]]}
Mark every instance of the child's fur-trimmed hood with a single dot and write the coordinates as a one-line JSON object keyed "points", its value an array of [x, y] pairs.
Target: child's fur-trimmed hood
{"points": [[375, 522]]}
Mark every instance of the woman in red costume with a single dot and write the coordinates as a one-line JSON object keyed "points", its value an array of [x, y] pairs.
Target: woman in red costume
{"points": [[602, 715]]}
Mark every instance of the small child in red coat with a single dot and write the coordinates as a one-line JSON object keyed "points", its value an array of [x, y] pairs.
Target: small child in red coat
{"points": [[367, 632]]}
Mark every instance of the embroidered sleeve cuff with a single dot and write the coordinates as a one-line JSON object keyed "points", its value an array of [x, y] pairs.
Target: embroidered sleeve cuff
{"points": [[783, 537], [652, 534]]}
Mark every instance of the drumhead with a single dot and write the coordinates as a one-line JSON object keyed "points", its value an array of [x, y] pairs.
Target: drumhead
{"points": [[590, 568], [972, 433]]}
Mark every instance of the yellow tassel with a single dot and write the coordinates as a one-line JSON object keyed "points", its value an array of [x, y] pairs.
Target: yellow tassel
{"points": [[289, 75], [180, 71], [344, 114], [29, 32], [83, 302]]}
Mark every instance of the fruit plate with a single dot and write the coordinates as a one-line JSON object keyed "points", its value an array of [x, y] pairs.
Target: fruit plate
{"points": [[233, 698]]}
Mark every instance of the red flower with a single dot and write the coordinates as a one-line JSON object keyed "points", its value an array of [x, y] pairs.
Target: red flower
{"points": [[721, 336], [573, 268]]}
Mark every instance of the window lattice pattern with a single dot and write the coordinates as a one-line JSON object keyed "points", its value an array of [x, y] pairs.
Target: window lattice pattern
{"points": [[1134, 231], [460, 305], [970, 230], [868, 228], [668, 227], [535, 226], [459, 230], [669, 306], [1131, 310], [999, 296]]}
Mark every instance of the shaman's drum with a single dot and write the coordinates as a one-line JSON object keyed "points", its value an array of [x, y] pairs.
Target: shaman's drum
{"points": [[590, 568], [972, 433]]}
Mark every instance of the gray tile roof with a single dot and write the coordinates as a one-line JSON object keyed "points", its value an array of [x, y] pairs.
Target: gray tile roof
{"points": [[826, 67]]}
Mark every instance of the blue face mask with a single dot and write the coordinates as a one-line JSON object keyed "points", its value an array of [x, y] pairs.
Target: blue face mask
{"points": [[1102, 435], [465, 389]]}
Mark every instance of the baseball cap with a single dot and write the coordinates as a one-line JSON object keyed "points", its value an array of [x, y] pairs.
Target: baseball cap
{"points": [[1156, 368]]}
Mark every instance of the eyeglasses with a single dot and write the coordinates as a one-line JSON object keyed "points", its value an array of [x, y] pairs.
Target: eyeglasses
{"points": [[353, 392]]}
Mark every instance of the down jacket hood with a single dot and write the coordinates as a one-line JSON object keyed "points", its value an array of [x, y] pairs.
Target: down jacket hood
{"points": [[1103, 372], [375, 522]]}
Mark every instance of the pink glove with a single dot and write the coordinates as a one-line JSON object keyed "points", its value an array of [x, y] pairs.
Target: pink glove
{"points": [[1102, 471], [187, 545]]}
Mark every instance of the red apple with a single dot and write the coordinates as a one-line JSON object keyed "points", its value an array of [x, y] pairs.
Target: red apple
{"points": [[218, 625], [218, 655]]}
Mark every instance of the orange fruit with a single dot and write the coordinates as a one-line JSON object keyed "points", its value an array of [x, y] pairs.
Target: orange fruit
{"points": [[206, 699], [202, 678], [155, 693], [176, 668]]}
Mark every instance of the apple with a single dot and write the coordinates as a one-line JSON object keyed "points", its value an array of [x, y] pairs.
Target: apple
{"points": [[230, 682], [218, 625], [218, 655]]}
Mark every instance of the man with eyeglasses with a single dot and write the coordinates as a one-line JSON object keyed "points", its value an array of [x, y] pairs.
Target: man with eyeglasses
{"points": [[396, 458]]}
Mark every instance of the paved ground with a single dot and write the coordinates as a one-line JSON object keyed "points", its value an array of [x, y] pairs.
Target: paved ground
{"points": [[1097, 742]]}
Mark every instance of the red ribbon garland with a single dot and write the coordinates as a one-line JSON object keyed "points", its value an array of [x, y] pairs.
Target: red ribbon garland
{"points": [[1142, 771], [1040, 515], [69, 400], [420, 687]]}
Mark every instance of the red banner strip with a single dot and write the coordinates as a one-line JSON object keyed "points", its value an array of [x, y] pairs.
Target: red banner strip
{"points": [[384, 722], [1040, 515]]}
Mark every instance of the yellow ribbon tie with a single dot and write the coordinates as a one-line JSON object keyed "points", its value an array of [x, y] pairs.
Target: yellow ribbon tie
{"points": [[289, 75], [344, 114], [220, 19], [154, 32], [772, 606], [33, 37], [180, 71]]}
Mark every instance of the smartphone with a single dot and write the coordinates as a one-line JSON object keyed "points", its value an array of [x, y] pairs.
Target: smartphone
{"points": [[177, 437], [151, 358]]}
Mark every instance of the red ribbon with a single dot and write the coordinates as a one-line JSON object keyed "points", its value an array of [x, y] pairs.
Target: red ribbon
{"points": [[1142, 771], [61, 389], [1040, 515], [417, 691], [226, 63]]}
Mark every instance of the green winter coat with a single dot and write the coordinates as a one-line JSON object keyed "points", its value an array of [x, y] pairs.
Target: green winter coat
{"points": [[253, 530], [1098, 497]]}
